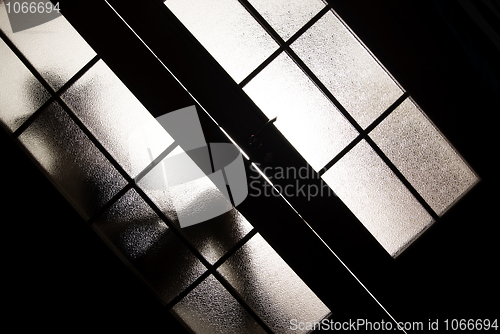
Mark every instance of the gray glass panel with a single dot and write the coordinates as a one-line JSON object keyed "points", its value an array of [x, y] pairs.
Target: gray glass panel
{"points": [[287, 17], [347, 69], [271, 287], [210, 308], [378, 198], [311, 123], [227, 31], [77, 167], [20, 92], [54, 48], [133, 228], [424, 156], [120, 122]]}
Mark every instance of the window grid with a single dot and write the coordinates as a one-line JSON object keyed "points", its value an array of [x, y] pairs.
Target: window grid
{"points": [[132, 183], [284, 46]]}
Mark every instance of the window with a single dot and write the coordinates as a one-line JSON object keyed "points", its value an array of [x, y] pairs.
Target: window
{"points": [[339, 108], [137, 219]]}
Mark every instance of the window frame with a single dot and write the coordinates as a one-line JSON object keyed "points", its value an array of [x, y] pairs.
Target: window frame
{"points": [[363, 258]]}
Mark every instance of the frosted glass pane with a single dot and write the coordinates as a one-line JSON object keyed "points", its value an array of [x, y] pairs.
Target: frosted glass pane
{"points": [[287, 17], [212, 237], [311, 123], [117, 119], [378, 198], [347, 69], [210, 308], [227, 31], [83, 174], [21, 94], [271, 287], [424, 156], [132, 227], [55, 49]]}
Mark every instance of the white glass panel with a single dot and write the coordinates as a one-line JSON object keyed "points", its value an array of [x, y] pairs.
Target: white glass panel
{"points": [[347, 69], [54, 48], [271, 287], [287, 17], [311, 123], [20, 92], [227, 31], [424, 156], [378, 198], [117, 119]]}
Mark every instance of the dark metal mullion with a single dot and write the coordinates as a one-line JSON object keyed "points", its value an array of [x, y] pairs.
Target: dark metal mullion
{"points": [[365, 133], [402, 178], [216, 265], [278, 39], [54, 94]]}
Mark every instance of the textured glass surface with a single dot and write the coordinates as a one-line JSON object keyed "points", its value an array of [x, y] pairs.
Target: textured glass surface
{"points": [[120, 122], [214, 237], [20, 92], [132, 227], [210, 308], [378, 199], [55, 49], [424, 156], [227, 31], [271, 287], [311, 123], [287, 17], [83, 174], [347, 69]]}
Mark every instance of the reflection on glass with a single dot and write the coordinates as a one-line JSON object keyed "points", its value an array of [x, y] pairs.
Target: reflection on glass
{"points": [[378, 198], [54, 48], [20, 92], [347, 69], [83, 174], [210, 308], [287, 17], [213, 237], [227, 31], [117, 119], [311, 123], [271, 287], [132, 227], [424, 156]]}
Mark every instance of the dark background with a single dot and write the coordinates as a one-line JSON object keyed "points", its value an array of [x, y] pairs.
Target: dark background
{"points": [[61, 276]]}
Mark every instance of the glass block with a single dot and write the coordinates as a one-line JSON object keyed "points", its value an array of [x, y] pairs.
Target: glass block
{"points": [[210, 308], [271, 287], [54, 48], [227, 31], [21, 94], [347, 69], [213, 237], [311, 123], [424, 156], [77, 167], [147, 243], [378, 198], [117, 119], [287, 17]]}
